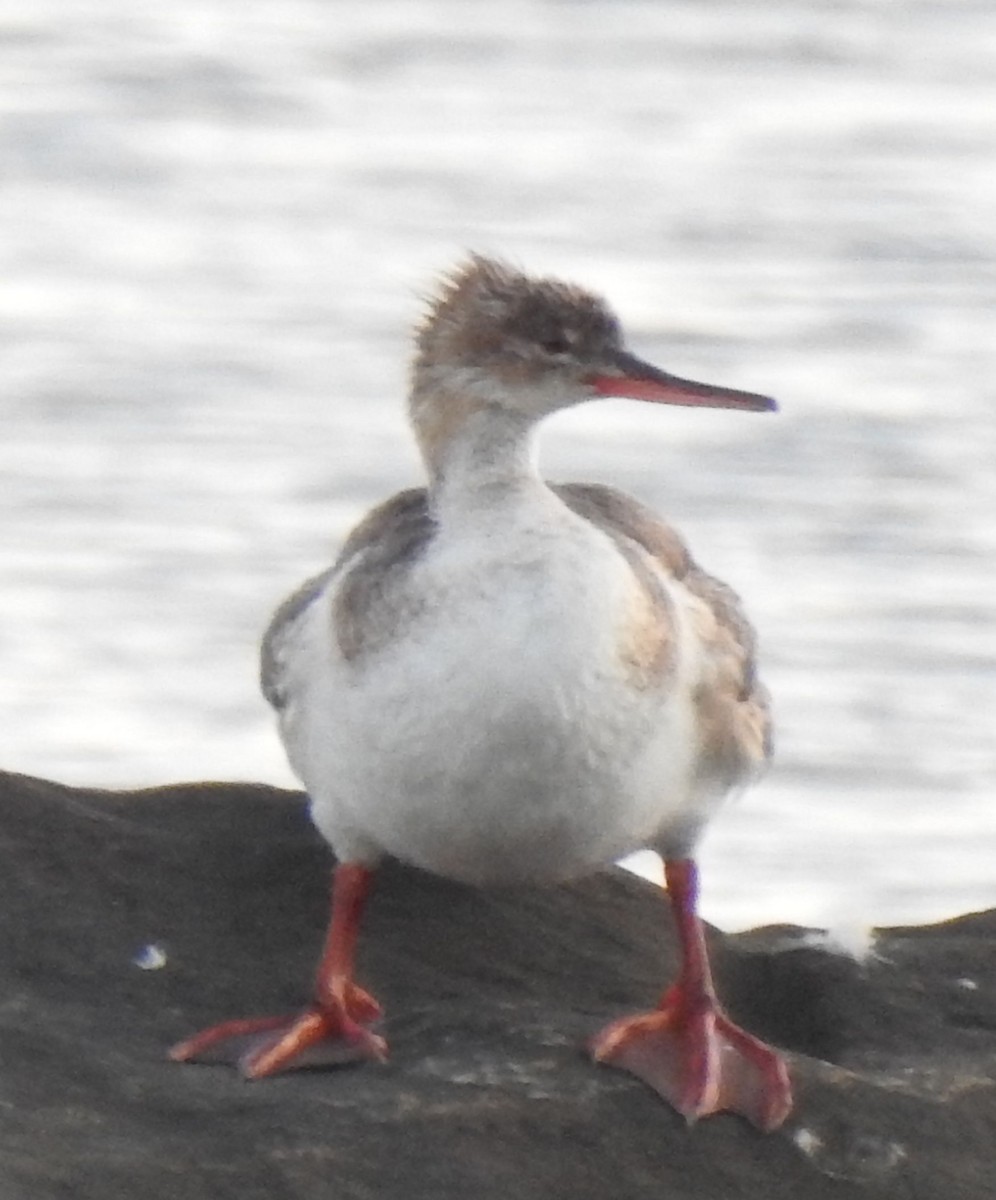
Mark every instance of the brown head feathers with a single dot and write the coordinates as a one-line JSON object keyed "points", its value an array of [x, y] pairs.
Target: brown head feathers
{"points": [[485, 307]]}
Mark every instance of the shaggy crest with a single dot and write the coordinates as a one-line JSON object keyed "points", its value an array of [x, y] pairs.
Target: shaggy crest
{"points": [[485, 306]]}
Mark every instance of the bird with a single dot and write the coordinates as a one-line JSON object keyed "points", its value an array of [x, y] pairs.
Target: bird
{"points": [[506, 681]]}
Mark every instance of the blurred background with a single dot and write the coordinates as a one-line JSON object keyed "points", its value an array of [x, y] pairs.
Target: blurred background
{"points": [[218, 219]]}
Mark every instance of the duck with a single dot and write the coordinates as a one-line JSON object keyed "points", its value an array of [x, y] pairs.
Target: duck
{"points": [[510, 682]]}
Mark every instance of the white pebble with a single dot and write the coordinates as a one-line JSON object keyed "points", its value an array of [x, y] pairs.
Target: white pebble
{"points": [[150, 958]]}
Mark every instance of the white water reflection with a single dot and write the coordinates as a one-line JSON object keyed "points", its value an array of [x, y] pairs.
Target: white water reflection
{"points": [[216, 218]]}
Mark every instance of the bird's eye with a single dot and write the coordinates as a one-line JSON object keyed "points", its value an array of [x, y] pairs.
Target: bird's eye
{"points": [[555, 343]]}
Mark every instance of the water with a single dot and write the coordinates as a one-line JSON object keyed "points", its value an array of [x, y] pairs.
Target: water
{"points": [[217, 217]]}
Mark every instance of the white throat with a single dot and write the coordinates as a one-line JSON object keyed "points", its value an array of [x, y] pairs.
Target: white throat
{"points": [[476, 454]]}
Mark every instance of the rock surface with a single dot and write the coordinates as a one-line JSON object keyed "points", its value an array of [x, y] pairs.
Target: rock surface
{"points": [[132, 919]]}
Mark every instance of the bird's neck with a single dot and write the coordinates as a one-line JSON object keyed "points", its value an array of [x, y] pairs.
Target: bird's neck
{"points": [[476, 453]]}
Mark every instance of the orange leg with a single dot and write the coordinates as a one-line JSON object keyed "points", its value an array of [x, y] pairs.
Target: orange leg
{"points": [[331, 1029], [688, 1050]]}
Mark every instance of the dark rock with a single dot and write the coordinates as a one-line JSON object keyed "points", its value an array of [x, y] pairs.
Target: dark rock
{"points": [[488, 996]]}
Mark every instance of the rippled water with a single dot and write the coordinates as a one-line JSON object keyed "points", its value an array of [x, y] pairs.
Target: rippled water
{"points": [[217, 219]]}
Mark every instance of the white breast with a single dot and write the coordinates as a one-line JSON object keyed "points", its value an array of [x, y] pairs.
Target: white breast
{"points": [[499, 737]]}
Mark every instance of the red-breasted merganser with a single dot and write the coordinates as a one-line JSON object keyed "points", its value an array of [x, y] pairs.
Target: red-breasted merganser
{"points": [[504, 681]]}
